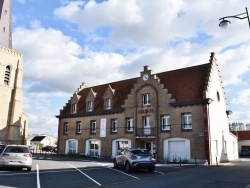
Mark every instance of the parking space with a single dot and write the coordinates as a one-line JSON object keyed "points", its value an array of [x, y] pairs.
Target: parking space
{"points": [[50, 171]]}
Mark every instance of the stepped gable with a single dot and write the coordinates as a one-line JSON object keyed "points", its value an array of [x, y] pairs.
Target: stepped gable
{"points": [[185, 84]]}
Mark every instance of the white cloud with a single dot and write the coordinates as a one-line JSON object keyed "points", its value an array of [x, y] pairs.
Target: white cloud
{"points": [[21, 1], [243, 98]]}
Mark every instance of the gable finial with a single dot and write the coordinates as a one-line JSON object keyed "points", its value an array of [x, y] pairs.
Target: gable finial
{"points": [[212, 58]]}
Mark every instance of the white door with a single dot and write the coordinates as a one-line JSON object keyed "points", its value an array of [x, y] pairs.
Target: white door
{"points": [[176, 151]]}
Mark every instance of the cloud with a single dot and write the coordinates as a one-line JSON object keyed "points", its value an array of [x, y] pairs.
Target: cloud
{"points": [[243, 98], [21, 1]]}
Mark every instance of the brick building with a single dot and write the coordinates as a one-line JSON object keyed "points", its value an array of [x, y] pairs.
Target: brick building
{"points": [[179, 114]]}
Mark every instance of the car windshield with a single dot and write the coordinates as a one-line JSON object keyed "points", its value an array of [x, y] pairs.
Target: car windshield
{"points": [[1, 146], [16, 149]]}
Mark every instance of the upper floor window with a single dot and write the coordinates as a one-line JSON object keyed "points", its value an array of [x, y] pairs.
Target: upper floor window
{"points": [[78, 127], [108, 104], [93, 126], [187, 121], [7, 75], [73, 108], [65, 128], [145, 99], [165, 122], [90, 106], [129, 124], [114, 125]]}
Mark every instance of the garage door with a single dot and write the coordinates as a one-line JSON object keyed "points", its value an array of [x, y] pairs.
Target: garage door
{"points": [[176, 150]]}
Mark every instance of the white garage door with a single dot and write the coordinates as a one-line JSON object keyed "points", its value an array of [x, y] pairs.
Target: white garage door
{"points": [[176, 150]]}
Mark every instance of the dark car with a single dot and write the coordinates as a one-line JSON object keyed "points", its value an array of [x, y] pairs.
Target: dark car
{"points": [[2, 146], [135, 158], [245, 152], [48, 148]]}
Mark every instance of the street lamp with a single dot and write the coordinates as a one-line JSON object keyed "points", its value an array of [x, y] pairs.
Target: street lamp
{"points": [[225, 23]]}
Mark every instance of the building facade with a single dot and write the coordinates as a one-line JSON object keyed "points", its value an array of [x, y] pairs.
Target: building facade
{"points": [[13, 122], [176, 115]]}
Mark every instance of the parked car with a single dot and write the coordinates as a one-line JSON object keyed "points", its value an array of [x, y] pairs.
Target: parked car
{"points": [[2, 146], [245, 152], [135, 158], [48, 148], [17, 156]]}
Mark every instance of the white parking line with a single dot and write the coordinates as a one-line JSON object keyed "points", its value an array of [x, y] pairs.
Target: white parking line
{"points": [[123, 173], [159, 172], [84, 174], [37, 176]]}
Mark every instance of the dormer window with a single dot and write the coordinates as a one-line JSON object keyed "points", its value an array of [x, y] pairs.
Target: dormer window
{"points": [[73, 108], [7, 75], [90, 106], [145, 99], [108, 104]]}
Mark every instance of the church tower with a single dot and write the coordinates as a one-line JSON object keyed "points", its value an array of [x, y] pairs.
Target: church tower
{"points": [[5, 23], [13, 122]]}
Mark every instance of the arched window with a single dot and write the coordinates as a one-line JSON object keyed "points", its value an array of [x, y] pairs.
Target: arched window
{"points": [[7, 75]]}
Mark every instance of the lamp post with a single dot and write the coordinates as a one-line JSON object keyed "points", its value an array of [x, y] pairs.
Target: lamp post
{"points": [[225, 23]]}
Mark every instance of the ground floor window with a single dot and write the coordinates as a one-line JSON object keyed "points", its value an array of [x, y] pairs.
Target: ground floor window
{"points": [[93, 147], [71, 146], [119, 144]]}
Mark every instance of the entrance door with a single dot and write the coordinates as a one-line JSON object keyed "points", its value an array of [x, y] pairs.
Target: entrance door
{"points": [[146, 125], [150, 146]]}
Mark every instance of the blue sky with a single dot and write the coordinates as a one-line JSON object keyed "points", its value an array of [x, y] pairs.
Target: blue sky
{"points": [[68, 42]]}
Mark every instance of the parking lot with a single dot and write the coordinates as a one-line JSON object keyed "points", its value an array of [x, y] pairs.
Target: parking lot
{"points": [[57, 171]]}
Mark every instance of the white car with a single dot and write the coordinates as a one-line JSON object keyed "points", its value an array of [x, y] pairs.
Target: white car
{"points": [[17, 156]]}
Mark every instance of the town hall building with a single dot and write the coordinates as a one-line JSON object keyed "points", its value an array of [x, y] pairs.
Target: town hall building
{"points": [[178, 115]]}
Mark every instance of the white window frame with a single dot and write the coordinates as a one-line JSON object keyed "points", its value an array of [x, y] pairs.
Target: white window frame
{"points": [[93, 126], [90, 106], [145, 99], [187, 121], [74, 107], [65, 127], [78, 127], [165, 122], [129, 125], [114, 125], [108, 104]]}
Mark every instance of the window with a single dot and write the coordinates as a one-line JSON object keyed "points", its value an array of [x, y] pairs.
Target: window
{"points": [[187, 121], [107, 104], [165, 122], [78, 127], [129, 124], [93, 126], [114, 125], [7, 75], [145, 99], [90, 106], [73, 108], [146, 120], [225, 147], [65, 128]]}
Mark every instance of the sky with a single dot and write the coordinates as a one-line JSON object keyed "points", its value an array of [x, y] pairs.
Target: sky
{"points": [[68, 42]]}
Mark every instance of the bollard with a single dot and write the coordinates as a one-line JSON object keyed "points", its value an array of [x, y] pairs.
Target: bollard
{"points": [[195, 161], [216, 161]]}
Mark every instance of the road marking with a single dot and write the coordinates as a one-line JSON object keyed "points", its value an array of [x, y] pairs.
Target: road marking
{"points": [[37, 176], [84, 174], [159, 172], [123, 173]]}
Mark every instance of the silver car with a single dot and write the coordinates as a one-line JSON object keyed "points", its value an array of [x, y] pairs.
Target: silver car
{"points": [[17, 156], [135, 158]]}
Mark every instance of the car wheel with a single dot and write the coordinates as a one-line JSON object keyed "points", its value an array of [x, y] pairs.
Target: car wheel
{"points": [[151, 170], [29, 169], [127, 167], [115, 164]]}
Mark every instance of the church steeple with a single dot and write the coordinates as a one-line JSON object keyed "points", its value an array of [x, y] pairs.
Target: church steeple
{"points": [[5, 23]]}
